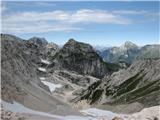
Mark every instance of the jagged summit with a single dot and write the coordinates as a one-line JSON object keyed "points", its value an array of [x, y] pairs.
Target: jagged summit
{"points": [[71, 40], [82, 58], [69, 43], [38, 40], [128, 45], [73, 45]]}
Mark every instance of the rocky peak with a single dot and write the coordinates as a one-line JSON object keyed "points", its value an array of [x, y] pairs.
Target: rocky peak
{"points": [[128, 45], [71, 40], [78, 47], [38, 41], [82, 58]]}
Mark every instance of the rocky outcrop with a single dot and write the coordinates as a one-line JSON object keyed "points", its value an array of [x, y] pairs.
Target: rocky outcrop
{"points": [[139, 83], [81, 57], [39, 48], [8, 115], [73, 77]]}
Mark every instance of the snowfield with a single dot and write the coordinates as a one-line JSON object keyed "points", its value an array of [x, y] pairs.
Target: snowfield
{"points": [[42, 69], [51, 86], [90, 114], [45, 61]]}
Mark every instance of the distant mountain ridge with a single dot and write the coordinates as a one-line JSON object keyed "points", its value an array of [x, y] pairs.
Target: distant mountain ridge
{"points": [[128, 52]]}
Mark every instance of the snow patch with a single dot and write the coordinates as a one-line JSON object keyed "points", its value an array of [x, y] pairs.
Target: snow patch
{"points": [[51, 86], [79, 118], [42, 69], [45, 61], [42, 78], [19, 108], [126, 55], [98, 113]]}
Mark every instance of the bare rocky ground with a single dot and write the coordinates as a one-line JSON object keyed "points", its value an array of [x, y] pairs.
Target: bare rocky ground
{"points": [[8, 115]]}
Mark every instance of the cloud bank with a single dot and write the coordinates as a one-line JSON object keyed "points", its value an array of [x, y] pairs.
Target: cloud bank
{"points": [[58, 20]]}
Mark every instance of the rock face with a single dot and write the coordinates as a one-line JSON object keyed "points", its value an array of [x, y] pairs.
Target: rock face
{"points": [[20, 79], [82, 58], [16, 67], [80, 80], [139, 83], [8, 115], [39, 48], [128, 52]]}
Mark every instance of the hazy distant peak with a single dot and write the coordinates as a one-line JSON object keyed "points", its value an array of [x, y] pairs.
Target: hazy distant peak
{"points": [[128, 45], [101, 48]]}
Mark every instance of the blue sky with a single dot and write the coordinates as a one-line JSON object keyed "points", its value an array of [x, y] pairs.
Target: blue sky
{"points": [[97, 23]]}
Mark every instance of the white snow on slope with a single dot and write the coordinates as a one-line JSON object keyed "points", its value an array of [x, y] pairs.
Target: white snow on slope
{"points": [[79, 118], [101, 113], [42, 78], [19, 108], [42, 69], [45, 61], [51, 86]]}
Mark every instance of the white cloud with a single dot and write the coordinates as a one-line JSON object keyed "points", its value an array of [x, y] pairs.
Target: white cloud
{"points": [[35, 27], [35, 22], [97, 16], [79, 16], [130, 12], [58, 20]]}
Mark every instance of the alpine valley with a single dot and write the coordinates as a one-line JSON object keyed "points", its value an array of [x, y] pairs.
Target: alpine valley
{"points": [[43, 81]]}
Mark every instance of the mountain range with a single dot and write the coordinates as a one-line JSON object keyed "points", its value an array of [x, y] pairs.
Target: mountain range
{"points": [[128, 52], [43, 78]]}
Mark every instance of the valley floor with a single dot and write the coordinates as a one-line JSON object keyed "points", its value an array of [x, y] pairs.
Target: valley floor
{"points": [[17, 111]]}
